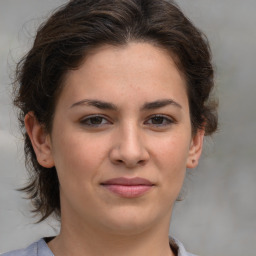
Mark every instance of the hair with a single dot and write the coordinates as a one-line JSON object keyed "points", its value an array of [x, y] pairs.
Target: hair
{"points": [[65, 39]]}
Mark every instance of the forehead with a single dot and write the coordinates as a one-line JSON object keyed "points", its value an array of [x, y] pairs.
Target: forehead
{"points": [[108, 71]]}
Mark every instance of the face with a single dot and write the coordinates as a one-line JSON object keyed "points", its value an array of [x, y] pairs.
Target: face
{"points": [[121, 139]]}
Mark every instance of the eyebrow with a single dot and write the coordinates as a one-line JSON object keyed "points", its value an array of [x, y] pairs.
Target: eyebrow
{"points": [[159, 104], [109, 106], [95, 103]]}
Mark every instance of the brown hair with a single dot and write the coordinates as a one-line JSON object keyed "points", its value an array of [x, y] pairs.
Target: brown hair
{"points": [[62, 43]]}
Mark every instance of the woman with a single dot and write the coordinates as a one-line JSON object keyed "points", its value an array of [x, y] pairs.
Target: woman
{"points": [[114, 99]]}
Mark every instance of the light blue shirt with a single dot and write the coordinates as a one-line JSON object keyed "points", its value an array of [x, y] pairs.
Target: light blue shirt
{"points": [[40, 248]]}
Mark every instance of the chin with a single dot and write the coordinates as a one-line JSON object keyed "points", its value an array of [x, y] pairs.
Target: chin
{"points": [[129, 221]]}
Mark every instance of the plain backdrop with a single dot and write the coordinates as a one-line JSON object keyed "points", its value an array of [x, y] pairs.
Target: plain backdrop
{"points": [[218, 214]]}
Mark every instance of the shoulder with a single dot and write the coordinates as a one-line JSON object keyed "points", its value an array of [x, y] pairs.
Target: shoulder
{"points": [[38, 248], [30, 250], [179, 248]]}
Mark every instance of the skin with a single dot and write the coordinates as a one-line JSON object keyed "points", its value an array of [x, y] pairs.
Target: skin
{"points": [[126, 140]]}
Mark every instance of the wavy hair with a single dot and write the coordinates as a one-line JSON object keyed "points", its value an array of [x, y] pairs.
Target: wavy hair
{"points": [[64, 40]]}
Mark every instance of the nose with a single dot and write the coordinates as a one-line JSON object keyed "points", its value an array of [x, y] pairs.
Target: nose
{"points": [[129, 147]]}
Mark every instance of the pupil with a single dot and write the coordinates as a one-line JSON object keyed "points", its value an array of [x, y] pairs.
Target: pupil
{"points": [[157, 120], [96, 120]]}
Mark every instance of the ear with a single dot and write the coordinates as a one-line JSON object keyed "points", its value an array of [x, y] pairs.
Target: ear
{"points": [[195, 149], [40, 140]]}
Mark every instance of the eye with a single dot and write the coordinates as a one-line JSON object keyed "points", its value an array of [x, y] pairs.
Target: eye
{"points": [[94, 121], [160, 120]]}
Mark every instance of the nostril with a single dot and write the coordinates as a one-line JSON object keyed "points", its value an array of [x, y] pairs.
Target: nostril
{"points": [[129, 156], [141, 162]]}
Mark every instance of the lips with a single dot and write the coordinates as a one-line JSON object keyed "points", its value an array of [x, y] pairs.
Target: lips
{"points": [[128, 188]]}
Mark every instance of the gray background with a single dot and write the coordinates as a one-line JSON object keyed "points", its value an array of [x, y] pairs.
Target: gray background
{"points": [[218, 215]]}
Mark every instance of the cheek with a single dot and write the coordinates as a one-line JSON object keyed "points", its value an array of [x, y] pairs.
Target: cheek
{"points": [[172, 152], [78, 157], [170, 158], [78, 161]]}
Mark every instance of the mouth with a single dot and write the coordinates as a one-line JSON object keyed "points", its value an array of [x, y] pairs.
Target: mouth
{"points": [[128, 187]]}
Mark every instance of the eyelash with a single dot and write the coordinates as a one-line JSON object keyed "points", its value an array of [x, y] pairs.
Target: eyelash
{"points": [[88, 121], [166, 120]]}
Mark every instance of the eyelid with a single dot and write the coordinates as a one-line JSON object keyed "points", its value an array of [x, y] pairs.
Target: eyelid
{"points": [[167, 118], [87, 118]]}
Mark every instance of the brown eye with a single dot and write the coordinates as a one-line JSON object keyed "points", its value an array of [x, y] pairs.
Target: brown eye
{"points": [[94, 121], [159, 120]]}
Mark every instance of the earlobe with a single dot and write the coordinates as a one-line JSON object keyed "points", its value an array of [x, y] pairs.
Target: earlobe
{"points": [[195, 149], [40, 140]]}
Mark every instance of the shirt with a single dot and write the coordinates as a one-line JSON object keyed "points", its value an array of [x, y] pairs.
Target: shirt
{"points": [[40, 248]]}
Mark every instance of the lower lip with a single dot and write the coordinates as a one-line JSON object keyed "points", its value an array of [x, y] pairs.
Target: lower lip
{"points": [[131, 191]]}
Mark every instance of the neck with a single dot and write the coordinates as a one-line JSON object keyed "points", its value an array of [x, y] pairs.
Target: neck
{"points": [[77, 239]]}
